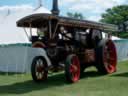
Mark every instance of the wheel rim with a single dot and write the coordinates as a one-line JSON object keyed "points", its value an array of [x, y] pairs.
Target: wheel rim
{"points": [[75, 69], [110, 56], [40, 71]]}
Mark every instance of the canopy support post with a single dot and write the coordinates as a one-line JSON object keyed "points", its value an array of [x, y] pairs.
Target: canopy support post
{"points": [[50, 31]]}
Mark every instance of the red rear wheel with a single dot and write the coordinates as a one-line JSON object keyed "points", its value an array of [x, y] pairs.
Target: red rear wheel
{"points": [[106, 57], [109, 57], [72, 68]]}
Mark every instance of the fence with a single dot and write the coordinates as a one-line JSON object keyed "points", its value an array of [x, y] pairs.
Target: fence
{"points": [[122, 49], [18, 57]]}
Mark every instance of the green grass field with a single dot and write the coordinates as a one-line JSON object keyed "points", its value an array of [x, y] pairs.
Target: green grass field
{"points": [[92, 84]]}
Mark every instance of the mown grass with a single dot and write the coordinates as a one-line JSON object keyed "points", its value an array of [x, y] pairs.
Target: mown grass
{"points": [[92, 84]]}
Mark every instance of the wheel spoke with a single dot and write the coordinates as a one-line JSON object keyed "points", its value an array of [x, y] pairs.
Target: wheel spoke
{"points": [[111, 58], [37, 63], [41, 75], [38, 75], [71, 69], [41, 62], [75, 73]]}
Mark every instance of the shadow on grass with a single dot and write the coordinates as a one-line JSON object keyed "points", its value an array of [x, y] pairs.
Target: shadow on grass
{"points": [[125, 74], [91, 74], [28, 86], [53, 81], [9, 73]]}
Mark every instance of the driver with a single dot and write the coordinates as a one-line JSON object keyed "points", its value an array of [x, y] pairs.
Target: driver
{"points": [[66, 33], [42, 31]]}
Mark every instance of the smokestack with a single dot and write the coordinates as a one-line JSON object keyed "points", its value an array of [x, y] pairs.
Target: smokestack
{"points": [[55, 9]]}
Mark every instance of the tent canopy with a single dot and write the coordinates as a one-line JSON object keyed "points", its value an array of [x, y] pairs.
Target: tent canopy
{"points": [[37, 19], [10, 33]]}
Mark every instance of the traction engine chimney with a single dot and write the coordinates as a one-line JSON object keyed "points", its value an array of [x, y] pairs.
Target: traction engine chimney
{"points": [[55, 9]]}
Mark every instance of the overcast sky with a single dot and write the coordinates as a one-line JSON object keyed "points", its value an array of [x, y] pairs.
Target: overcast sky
{"points": [[91, 9]]}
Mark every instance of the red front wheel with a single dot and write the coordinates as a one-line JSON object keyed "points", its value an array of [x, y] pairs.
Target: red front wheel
{"points": [[72, 68]]}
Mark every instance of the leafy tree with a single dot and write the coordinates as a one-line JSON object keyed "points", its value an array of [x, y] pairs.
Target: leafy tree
{"points": [[75, 15], [117, 15]]}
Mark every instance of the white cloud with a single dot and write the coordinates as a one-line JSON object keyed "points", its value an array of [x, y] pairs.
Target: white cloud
{"points": [[17, 7], [91, 6], [64, 2], [94, 18]]}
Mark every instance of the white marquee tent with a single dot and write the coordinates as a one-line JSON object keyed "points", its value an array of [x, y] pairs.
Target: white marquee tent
{"points": [[10, 33], [15, 52]]}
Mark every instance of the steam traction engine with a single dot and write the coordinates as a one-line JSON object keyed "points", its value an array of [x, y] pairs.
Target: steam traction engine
{"points": [[70, 44]]}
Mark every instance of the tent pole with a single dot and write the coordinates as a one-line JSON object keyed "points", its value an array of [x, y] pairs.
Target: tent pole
{"points": [[30, 31], [27, 34]]}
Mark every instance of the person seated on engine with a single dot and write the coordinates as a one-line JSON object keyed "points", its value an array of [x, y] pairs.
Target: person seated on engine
{"points": [[42, 32], [65, 34]]}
